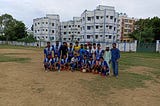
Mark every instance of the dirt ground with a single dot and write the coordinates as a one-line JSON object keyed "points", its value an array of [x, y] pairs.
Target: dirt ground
{"points": [[26, 84]]}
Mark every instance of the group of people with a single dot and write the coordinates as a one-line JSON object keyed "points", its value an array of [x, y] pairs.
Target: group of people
{"points": [[84, 57]]}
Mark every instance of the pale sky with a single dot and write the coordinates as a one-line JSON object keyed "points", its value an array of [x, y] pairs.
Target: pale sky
{"points": [[27, 10]]}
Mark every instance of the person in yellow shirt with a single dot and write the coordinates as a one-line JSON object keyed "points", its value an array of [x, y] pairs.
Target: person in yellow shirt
{"points": [[77, 47]]}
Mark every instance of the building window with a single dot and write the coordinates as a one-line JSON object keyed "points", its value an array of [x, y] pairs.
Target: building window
{"points": [[42, 29], [35, 31], [38, 23], [65, 33], [114, 28], [88, 36], [46, 30], [78, 26], [42, 22], [69, 26], [69, 32], [110, 36], [78, 32], [69, 38], [88, 27], [107, 16], [111, 17], [89, 18], [64, 38], [65, 26], [115, 20], [107, 26], [110, 27], [38, 30], [78, 39], [46, 37], [101, 26], [101, 17], [96, 36], [106, 36], [97, 26], [101, 35], [97, 17], [72, 25], [46, 22], [52, 24], [35, 24], [52, 31]]}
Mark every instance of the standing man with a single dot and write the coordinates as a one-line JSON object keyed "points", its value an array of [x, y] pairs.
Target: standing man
{"points": [[107, 57], [64, 50], [56, 49], [115, 56]]}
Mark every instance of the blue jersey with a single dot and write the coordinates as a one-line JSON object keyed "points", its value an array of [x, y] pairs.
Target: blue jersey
{"points": [[48, 51], [47, 60], [56, 49], [70, 52], [91, 63], [98, 53], [103, 64], [84, 61], [85, 52], [54, 60], [81, 52], [115, 54], [90, 53], [64, 61]]}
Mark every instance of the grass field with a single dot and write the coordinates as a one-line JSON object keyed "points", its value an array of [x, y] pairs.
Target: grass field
{"points": [[22, 77]]}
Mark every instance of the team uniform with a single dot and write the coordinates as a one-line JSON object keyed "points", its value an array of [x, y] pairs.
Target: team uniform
{"points": [[90, 53], [56, 63], [98, 53], [74, 63], [70, 53], [84, 64], [64, 64], [48, 52], [47, 63], [56, 50], [104, 69], [91, 64]]}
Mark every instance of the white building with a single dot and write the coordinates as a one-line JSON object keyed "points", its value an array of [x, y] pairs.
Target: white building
{"points": [[71, 30], [100, 25], [47, 28]]}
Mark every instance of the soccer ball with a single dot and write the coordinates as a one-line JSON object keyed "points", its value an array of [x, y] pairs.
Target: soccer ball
{"points": [[84, 70]]}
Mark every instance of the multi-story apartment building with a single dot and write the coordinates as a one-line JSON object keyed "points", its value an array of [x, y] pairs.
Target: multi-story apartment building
{"points": [[126, 26], [100, 25], [47, 28], [71, 30]]}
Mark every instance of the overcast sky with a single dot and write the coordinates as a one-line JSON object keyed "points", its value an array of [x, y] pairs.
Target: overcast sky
{"points": [[27, 10]]}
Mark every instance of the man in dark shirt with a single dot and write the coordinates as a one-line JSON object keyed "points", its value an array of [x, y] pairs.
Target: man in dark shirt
{"points": [[64, 50], [115, 56]]}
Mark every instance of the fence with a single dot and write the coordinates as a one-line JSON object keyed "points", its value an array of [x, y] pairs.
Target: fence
{"points": [[124, 47]]}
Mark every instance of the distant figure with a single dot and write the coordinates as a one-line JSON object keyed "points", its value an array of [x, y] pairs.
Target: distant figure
{"points": [[115, 56], [107, 57]]}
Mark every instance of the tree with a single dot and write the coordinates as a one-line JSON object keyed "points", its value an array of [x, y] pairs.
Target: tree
{"points": [[12, 29], [147, 30]]}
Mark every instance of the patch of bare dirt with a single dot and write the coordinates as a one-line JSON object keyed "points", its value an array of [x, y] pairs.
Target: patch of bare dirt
{"points": [[26, 84]]}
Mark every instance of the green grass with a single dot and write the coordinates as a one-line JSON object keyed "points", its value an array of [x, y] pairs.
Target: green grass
{"points": [[126, 80], [151, 60], [5, 58]]}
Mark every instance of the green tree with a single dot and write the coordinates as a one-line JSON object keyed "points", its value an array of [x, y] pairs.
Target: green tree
{"points": [[12, 29]]}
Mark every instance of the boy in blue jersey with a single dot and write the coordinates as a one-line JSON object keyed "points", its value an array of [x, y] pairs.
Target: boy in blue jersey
{"points": [[91, 64], [104, 69], [99, 52], [70, 52], [64, 63], [57, 48], [115, 56], [85, 50], [47, 63], [84, 63], [74, 62], [81, 51], [48, 51], [90, 51], [56, 63]]}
